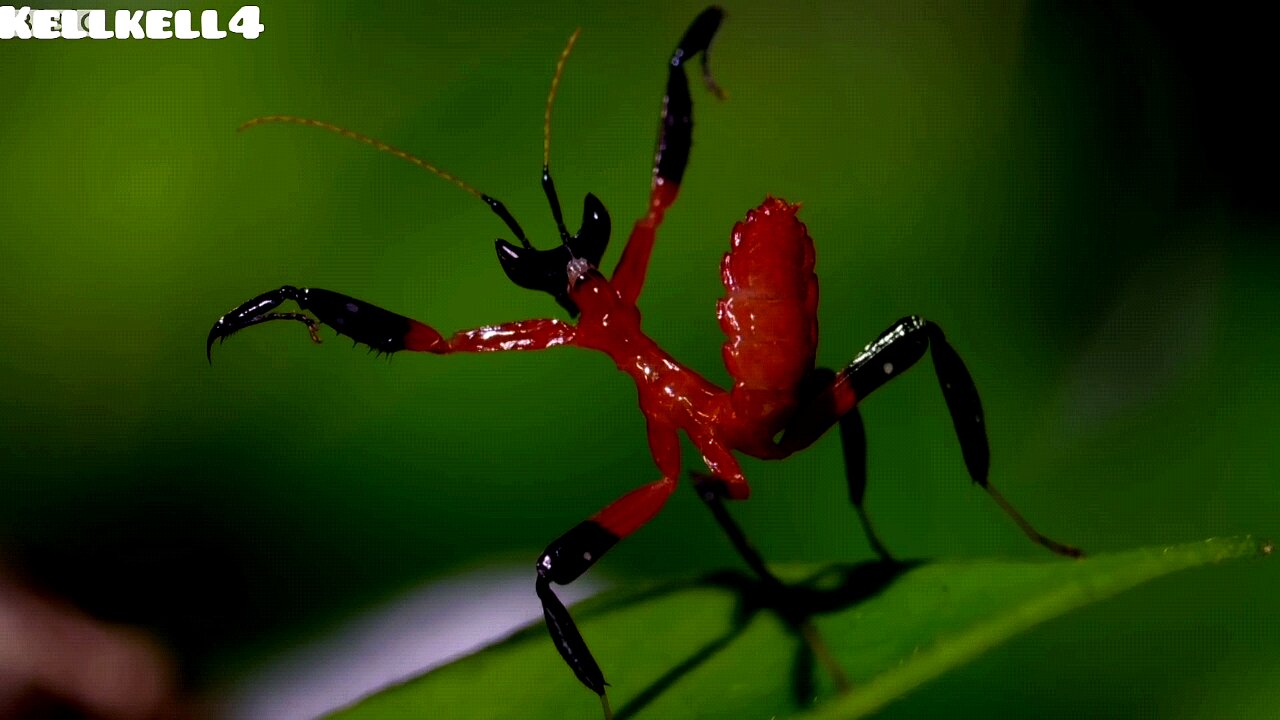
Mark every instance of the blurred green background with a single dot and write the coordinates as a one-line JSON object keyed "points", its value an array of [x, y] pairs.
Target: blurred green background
{"points": [[1083, 197]]}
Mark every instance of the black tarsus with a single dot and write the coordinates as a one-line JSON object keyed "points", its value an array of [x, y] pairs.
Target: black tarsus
{"points": [[675, 130], [303, 318], [698, 39]]}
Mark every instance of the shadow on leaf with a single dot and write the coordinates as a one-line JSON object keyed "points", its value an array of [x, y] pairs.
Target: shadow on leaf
{"points": [[834, 588]]}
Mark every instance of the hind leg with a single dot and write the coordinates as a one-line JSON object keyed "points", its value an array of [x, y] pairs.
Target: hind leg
{"points": [[895, 351]]}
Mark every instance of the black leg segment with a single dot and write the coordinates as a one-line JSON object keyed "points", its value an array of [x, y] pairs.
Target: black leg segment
{"points": [[896, 350], [675, 132], [853, 441], [712, 491], [564, 632], [563, 562], [899, 348]]}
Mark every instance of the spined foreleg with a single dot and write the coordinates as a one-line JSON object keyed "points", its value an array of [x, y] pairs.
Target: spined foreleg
{"points": [[383, 330]]}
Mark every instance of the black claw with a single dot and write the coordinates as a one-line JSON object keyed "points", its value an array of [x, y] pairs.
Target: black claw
{"points": [[208, 347], [223, 329], [697, 39], [251, 312]]}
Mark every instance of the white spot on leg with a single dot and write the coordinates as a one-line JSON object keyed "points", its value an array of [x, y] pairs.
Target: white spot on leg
{"points": [[586, 556], [888, 368]]}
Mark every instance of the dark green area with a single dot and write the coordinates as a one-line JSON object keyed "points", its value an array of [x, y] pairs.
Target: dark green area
{"points": [[1083, 199]]}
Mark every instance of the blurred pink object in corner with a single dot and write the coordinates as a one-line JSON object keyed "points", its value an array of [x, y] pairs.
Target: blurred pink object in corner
{"points": [[52, 654]]}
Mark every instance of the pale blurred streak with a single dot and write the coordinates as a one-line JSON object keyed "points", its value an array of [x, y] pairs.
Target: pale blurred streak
{"points": [[54, 655], [428, 627]]}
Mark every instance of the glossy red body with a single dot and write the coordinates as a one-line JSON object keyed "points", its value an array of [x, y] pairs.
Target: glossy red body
{"points": [[769, 318]]}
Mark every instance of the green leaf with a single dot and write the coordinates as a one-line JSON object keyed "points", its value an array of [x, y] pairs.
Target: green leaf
{"points": [[707, 648]]}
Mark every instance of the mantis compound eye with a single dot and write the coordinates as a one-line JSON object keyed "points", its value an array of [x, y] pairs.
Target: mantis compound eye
{"points": [[547, 270]]}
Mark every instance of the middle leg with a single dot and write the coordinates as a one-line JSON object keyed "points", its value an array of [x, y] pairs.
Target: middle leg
{"points": [[382, 330]]}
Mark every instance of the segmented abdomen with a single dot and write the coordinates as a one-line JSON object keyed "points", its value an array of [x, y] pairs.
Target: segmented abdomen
{"points": [[769, 312]]}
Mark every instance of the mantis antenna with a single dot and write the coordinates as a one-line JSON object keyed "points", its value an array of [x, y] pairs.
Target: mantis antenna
{"points": [[371, 142], [496, 206], [549, 185]]}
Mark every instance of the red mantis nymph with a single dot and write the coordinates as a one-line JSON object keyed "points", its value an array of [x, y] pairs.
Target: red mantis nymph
{"points": [[779, 403]]}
